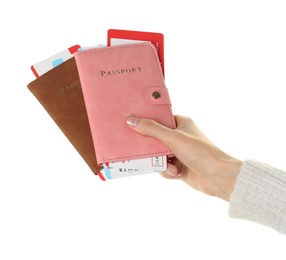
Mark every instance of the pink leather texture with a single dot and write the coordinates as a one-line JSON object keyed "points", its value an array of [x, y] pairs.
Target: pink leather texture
{"points": [[118, 82]]}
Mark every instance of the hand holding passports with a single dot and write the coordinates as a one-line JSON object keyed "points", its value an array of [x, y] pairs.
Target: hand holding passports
{"points": [[91, 103]]}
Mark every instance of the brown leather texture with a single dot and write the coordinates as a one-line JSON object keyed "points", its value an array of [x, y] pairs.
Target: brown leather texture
{"points": [[59, 92]]}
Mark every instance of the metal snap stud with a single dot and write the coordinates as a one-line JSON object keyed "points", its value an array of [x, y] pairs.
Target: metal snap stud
{"points": [[156, 94]]}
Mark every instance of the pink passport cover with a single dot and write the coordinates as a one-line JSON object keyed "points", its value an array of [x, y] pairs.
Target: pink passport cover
{"points": [[118, 82]]}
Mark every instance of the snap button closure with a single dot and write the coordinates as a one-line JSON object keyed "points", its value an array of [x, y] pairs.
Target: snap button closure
{"points": [[156, 94]]}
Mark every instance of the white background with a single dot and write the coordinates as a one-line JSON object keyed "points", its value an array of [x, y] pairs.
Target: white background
{"points": [[225, 67]]}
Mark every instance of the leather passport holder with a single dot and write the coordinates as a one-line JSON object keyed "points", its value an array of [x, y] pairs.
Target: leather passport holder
{"points": [[59, 92], [118, 82]]}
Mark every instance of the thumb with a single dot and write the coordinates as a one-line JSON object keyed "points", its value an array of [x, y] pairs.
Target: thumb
{"points": [[150, 127]]}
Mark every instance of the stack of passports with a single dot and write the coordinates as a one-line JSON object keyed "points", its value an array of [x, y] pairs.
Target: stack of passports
{"points": [[91, 95]]}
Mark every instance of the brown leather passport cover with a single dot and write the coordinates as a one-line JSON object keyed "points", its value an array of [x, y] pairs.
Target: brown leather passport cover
{"points": [[59, 92]]}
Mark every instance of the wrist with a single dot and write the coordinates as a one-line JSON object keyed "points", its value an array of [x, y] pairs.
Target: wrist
{"points": [[227, 171]]}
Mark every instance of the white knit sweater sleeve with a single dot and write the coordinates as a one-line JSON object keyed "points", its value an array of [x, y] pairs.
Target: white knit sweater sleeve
{"points": [[260, 195]]}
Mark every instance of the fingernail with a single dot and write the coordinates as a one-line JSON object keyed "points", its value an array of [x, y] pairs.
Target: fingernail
{"points": [[132, 121], [173, 174]]}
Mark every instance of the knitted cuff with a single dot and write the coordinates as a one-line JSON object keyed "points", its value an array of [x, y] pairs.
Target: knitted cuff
{"points": [[260, 195]]}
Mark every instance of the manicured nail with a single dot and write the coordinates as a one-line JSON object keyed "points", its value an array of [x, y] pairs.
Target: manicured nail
{"points": [[132, 121]]}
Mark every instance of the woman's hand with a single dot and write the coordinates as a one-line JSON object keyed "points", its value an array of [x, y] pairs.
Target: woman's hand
{"points": [[198, 162]]}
